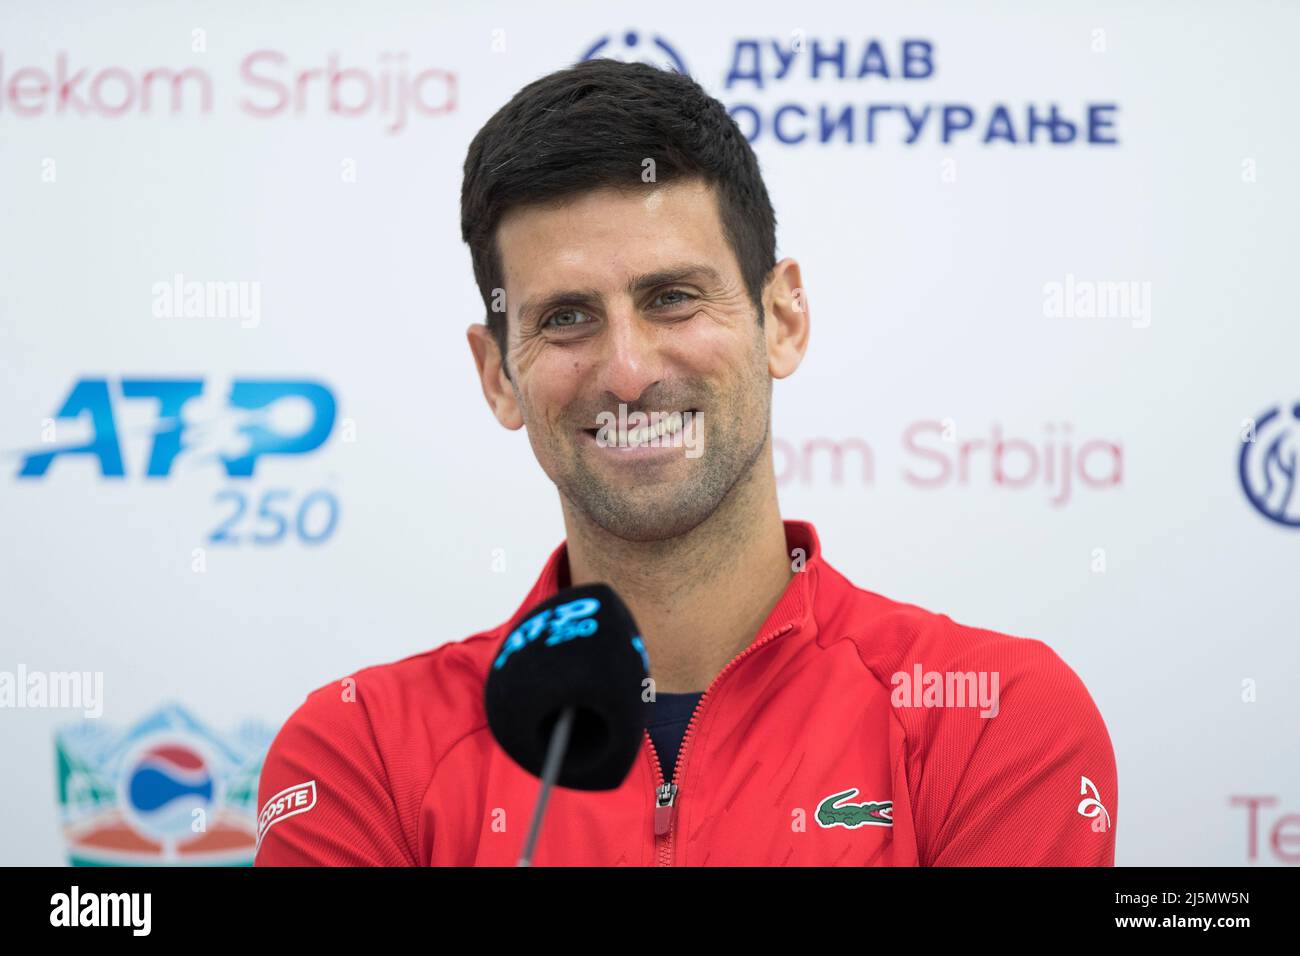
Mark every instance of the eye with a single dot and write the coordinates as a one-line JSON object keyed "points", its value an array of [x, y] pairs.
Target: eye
{"points": [[684, 297], [554, 320]]}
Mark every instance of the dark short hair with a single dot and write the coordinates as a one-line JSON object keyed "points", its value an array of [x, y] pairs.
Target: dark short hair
{"points": [[592, 125]]}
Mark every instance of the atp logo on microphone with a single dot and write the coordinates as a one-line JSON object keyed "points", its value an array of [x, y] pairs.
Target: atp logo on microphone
{"points": [[562, 623], [576, 662]]}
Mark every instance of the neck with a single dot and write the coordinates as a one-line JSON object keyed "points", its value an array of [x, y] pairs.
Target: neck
{"points": [[698, 598]]}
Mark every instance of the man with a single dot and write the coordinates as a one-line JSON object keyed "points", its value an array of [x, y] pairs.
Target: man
{"points": [[624, 244]]}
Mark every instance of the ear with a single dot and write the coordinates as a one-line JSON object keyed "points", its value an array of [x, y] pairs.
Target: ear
{"points": [[497, 389], [787, 319]]}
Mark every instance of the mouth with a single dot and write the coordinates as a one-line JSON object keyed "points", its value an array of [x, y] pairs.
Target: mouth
{"points": [[660, 430]]}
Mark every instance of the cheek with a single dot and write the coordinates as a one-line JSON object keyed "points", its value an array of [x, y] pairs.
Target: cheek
{"points": [[553, 385], [721, 354], [705, 344]]}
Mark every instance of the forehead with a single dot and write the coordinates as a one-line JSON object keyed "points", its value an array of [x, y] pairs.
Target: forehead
{"points": [[607, 234]]}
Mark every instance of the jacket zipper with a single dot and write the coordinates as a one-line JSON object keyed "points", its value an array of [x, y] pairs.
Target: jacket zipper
{"points": [[666, 793]]}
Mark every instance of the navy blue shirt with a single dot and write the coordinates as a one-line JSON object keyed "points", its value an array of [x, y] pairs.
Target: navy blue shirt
{"points": [[669, 715]]}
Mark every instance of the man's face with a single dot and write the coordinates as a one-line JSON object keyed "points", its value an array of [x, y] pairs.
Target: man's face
{"points": [[634, 298]]}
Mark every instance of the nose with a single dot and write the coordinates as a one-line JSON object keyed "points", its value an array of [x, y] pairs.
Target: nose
{"points": [[630, 360]]}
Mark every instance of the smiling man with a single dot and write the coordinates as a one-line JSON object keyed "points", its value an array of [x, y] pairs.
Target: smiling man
{"points": [[625, 248], [633, 298]]}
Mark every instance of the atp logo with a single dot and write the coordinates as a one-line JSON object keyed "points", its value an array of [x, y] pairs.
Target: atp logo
{"points": [[256, 419], [561, 623], [1270, 454], [632, 47]]}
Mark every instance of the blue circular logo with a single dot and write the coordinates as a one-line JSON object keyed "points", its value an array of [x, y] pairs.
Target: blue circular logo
{"points": [[163, 783], [1269, 465], [633, 47]]}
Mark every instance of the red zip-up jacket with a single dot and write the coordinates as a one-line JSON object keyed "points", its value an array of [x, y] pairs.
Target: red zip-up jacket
{"points": [[852, 731]]}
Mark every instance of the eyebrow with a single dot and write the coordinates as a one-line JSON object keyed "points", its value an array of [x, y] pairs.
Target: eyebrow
{"points": [[580, 298]]}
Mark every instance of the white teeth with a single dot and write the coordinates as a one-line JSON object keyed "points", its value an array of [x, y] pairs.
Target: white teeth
{"points": [[668, 425]]}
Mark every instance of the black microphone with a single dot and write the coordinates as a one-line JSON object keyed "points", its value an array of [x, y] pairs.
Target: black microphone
{"points": [[563, 695]]}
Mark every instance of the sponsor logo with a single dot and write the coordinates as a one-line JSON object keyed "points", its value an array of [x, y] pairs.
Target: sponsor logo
{"points": [[260, 418], [1283, 835], [639, 646], [166, 791], [1269, 462], [632, 47], [561, 623], [834, 812], [122, 429], [390, 88], [289, 802], [800, 90], [1091, 806], [936, 455]]}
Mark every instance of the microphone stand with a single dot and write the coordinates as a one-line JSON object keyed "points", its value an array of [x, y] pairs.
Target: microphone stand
{"points": [[550, 770]]}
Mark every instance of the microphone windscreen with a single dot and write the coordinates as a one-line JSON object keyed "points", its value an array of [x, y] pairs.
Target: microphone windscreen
{"points": [[579, 648]]}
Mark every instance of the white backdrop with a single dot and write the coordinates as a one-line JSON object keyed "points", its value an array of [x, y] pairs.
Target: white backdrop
{"points": [[929, 269]]}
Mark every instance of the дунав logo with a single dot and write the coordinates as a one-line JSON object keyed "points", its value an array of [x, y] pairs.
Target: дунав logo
{"points": [[632, 47], [1270, 458]]}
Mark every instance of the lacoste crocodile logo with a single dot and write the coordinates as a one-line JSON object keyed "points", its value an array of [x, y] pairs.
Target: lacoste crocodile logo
{"points": [[854, 815]]}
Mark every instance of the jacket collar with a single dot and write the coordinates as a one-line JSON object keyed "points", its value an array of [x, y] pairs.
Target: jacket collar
{"points": [[793, 610]]}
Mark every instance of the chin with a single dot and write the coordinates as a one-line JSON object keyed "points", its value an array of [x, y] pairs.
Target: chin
{"points": [[646, 523]]}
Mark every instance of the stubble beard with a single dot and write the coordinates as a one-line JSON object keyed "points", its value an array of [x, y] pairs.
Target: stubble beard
{"points": [[733, 439]]}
